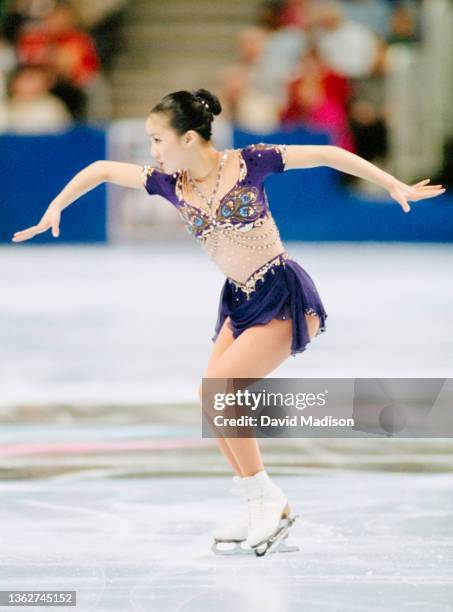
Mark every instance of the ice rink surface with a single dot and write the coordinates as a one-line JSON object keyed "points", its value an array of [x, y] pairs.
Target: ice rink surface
{"points": [[368, 542], [120, 509], [134, 324]]}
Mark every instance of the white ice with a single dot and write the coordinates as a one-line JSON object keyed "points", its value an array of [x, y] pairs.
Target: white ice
{"points": [[368, 542], [133, 324], [124, 325]]}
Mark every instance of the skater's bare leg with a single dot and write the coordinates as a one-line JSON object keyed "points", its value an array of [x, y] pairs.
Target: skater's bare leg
{"points": [[223, 341], [254, 354]]}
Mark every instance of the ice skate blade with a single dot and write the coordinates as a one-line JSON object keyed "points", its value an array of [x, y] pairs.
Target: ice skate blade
{"points": [[230, 548], [275, 542], [241, 548]]}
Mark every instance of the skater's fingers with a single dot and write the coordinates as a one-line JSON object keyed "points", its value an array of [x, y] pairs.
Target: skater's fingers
{"points": [[55, 228], [428, 188], [24, 234], [424, 194], [28, 233], [421, 182], [403, 203]]}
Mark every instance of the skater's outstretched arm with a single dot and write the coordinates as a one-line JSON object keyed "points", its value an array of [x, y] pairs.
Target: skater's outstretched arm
{"points": [[311, 156], [127, 175]]}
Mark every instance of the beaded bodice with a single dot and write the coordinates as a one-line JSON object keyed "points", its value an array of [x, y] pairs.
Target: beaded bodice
{"points": [[240, 234]]}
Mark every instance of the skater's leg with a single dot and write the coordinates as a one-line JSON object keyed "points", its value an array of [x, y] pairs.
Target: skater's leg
{"points": [[223, 341], [253, 464], [254, 354]]}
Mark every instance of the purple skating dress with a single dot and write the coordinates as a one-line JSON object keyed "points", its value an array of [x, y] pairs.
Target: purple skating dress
{"points": [[242, 239]]}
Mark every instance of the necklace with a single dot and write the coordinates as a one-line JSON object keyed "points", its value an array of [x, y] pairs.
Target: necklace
{"points": [[209, 201]]}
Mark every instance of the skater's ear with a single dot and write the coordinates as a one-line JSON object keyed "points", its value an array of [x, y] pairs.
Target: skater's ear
{"points": [[190, 138]]}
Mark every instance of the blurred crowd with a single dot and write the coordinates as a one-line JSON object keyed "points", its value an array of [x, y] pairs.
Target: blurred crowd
{"points": [[315, 63], [54, 58], [319, 64]]}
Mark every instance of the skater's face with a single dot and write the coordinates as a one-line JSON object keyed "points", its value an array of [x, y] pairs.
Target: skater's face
{"points": [[168, 148]]}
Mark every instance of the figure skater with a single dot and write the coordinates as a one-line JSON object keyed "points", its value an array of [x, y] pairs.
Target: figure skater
{"points": [[269, 306]]}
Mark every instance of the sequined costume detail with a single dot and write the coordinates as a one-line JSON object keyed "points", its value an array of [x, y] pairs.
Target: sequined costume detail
{"points": [[241, 237]]}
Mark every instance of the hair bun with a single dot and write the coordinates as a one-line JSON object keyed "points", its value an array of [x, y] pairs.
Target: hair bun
{"points": [[212, 101]]}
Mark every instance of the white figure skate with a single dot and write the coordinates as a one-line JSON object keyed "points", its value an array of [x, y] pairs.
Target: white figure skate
{"points": [[228, 538], [269, 518], [231, 539]]}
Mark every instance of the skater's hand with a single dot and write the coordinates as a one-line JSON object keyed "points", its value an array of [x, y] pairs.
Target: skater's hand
{"points": [[420, 191], [50, 219]]}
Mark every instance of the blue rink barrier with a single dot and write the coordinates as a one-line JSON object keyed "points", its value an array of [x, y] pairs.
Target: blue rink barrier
{"points": [[34, 169], [311, 204]]}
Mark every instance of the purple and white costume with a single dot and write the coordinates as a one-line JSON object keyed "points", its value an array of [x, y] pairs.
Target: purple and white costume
{"points": [[242, 239]]}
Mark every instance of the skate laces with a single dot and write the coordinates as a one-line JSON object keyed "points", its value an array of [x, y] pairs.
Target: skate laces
{"points": [[256, 509], [260, 502]]}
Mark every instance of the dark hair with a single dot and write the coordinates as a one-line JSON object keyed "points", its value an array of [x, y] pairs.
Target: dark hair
{"points": [[190, 111]]}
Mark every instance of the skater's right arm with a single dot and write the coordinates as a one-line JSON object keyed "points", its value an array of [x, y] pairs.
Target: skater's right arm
{"points": [[126, 175]]}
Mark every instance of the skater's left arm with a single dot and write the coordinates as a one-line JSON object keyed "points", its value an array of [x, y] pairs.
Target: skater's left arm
{"points": [[311, 156]]}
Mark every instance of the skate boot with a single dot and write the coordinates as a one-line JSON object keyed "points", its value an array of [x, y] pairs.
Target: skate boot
{"points": [[269, 515], [229, 537]]}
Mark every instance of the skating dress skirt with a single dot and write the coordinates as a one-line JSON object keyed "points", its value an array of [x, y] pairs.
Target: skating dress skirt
{"points": [[240, 235]]}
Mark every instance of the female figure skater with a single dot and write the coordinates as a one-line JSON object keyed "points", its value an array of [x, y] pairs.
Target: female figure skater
{"points": [[269, 306]]}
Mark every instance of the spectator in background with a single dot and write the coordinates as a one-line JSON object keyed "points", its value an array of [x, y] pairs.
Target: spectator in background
{"points": [[367, 110], [57, 42], [369, 129], [255, 87], [236, 79], [30, 107], [70, 52], [104, 19], [7, 64], [7, 55], [280, 54], [20, 12], [355, 51], [374, 14], [404, 24], [348, 47], [245, 102], [318, 98], [295, 14]]}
